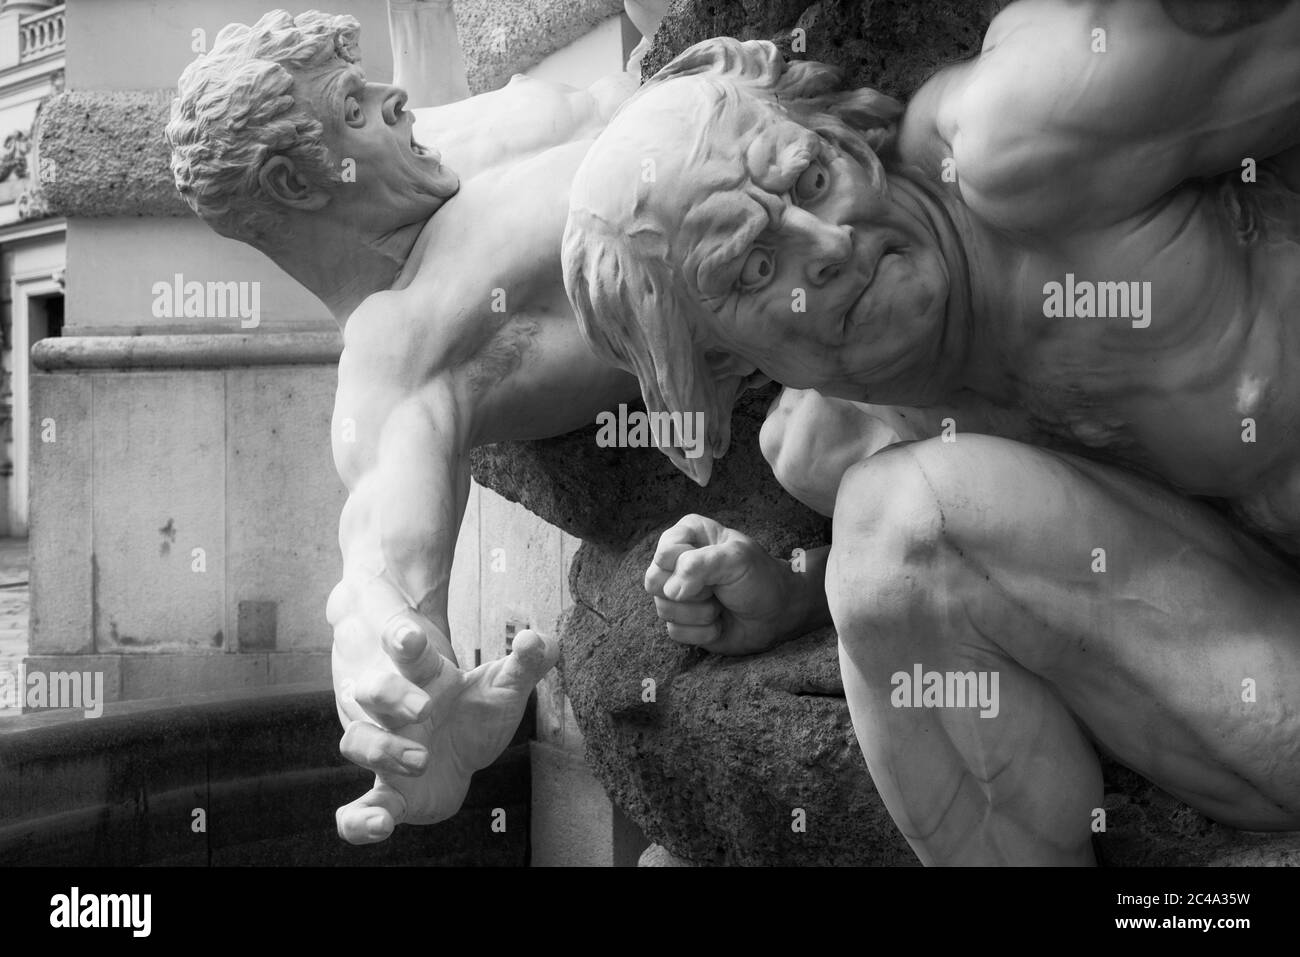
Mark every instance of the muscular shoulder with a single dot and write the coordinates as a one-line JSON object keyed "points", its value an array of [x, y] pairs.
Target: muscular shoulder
{"points": [[385, 336], [582, 107], [390, 350], [1084, 113], [379, 381], [986, 129], [1009, 118], [523, 118]]}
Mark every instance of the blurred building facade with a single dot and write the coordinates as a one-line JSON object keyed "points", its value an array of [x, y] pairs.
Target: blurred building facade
{"points": [[32, 242]]}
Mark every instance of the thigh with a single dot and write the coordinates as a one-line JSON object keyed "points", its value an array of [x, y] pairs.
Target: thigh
{"points": [[1172, 637]]}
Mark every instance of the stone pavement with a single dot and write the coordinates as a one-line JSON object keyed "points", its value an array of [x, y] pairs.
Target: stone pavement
{"points": [[14, 603]]}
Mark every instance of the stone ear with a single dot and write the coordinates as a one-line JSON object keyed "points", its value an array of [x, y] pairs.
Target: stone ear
{"points": [[281, 181]]}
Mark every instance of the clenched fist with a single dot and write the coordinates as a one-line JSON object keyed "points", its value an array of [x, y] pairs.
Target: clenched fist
{"points": [[719, 590]]}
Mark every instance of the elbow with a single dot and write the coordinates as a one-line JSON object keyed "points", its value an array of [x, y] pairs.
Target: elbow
{"points": [[406, 549]]}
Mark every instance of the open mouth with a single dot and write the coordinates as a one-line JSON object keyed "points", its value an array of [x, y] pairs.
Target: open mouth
{"points": [[419, 149]]}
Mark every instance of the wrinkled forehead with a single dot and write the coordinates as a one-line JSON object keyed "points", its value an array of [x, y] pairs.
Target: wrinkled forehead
{"points": [[681, 141], [710, 120], [747, 178], [729, 157]]}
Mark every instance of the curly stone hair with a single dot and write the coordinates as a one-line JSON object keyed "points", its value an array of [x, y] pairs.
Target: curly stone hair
{"points": [[628, 292], [236, 109]]}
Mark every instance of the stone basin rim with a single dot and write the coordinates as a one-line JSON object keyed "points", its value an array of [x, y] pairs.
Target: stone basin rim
{"points": [[187, 351]]}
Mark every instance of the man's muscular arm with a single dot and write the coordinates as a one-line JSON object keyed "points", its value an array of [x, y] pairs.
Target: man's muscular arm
{"points": [[523, 119], [407, 498], [410, 714], [1087, 112]]}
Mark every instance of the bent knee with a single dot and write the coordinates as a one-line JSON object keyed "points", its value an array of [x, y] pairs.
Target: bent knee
{"points": [[965, 489], [886, 544], [889, 498], [908, 520]]}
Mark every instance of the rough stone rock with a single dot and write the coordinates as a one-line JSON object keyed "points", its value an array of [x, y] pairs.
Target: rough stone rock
{"points": [[733, 753], [502, 39], [892, 45], [613, 497], [1145, 827], [102, 153]]}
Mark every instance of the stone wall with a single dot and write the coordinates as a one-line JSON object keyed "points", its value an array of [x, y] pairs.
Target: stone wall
{"points": [[182, 533]]}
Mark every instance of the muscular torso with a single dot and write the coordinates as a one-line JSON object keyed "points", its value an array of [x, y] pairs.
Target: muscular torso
{"points": [[480, 304], [1199, 391], [1174, 395]]}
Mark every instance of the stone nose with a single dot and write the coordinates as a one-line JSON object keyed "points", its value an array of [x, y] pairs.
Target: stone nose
{"points": [[826, 246], [394, 105]]}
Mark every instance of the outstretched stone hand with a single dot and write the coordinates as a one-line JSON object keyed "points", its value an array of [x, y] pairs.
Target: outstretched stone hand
{"points": [[422, 724]]}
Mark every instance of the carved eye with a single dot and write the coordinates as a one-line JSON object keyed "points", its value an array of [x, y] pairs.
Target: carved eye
{"points": [[759, 268], [811, 184], [352, 110]]}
